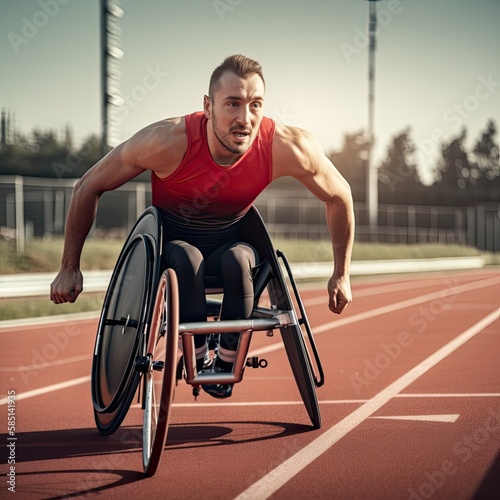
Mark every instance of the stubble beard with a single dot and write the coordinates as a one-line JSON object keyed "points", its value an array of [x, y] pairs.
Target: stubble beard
{"points": [[224, 138]]}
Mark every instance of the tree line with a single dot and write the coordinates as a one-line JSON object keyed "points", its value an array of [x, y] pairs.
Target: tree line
{"points": [[48, 155], [460, 176]]}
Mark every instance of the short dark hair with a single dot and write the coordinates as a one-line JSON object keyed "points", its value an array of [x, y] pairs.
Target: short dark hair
{"points": [[238, 64]]}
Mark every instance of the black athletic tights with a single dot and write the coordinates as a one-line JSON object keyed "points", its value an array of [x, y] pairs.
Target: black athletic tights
{"points": [[233, 262]]}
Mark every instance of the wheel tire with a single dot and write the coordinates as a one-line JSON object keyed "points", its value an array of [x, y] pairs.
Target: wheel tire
{"points": [[161, 375], [299, 361]]}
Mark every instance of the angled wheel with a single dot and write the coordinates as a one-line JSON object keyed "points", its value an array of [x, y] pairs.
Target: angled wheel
{"points": [[160, 375], [120, 333], [295, 345], [298, 354], [301, 368], [253, 230]]}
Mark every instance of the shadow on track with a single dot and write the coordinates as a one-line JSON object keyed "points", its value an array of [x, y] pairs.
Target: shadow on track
{"points": [[490, 485], [108, 454], [226, 433]]}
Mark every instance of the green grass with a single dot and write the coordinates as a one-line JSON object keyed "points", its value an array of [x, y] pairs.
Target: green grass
{"points": [[45, 256], [321, 251], [42, 306]]}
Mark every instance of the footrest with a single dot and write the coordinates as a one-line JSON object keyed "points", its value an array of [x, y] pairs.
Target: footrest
{"points": [[255, 362]]}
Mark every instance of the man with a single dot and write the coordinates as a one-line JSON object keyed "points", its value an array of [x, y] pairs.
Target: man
{"points": [[206, 170]]}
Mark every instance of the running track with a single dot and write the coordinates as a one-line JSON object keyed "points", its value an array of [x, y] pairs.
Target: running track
{"points": [[410, 407]]}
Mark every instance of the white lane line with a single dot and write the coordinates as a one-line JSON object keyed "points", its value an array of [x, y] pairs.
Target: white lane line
{"points": [[468, 287], [423, 418], [380, 289], [451, 395], [279, 476], [46, 390], [390, 288], [325, 402], [260, 403], [8, 324], [47, 364], [386, 309]]}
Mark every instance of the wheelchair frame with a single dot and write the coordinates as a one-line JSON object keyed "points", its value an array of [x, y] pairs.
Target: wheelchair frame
{"points": [[139, 338]]}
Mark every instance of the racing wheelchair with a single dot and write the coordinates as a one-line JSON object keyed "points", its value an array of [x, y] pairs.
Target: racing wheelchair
{"points": [[139, 334]]}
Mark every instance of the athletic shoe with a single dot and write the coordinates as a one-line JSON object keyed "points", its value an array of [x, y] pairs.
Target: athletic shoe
{"points": [[219, 391], [204, 363]]}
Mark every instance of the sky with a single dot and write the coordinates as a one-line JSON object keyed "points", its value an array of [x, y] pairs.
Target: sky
{"points": [[437, 64]]}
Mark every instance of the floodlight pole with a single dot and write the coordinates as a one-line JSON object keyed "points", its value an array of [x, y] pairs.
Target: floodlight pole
{"points": [[110, 74], [104, 75], [371, 171]]}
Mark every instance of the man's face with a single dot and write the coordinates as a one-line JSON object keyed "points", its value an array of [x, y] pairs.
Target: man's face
{"points": [[235, 111]]}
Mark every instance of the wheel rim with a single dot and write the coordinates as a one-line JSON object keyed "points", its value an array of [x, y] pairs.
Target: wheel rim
{"points": [[120, 328], [160, 377], [156, 355]]}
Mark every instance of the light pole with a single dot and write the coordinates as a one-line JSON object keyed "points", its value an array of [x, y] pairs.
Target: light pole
{"points": [[111, 54], [371, 171]]}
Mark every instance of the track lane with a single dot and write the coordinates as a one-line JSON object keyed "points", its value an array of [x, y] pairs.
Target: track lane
{"points": [[250, 441]]}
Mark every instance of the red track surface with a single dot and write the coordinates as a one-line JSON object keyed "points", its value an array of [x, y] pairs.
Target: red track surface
{"points": [[410, 407]]}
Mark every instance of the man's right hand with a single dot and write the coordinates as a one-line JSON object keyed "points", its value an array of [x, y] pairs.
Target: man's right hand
{"points": [[66, 287]]}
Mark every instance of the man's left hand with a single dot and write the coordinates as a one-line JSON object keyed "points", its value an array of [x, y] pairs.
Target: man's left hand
{"points": [[339, 291]]}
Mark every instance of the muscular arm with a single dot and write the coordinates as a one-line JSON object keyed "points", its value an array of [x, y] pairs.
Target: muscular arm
{"points": [[298, 154], [109, 173], [146, 150]]}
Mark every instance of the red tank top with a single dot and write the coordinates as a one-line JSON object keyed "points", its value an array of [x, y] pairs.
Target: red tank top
{"points": [[200, 192]]}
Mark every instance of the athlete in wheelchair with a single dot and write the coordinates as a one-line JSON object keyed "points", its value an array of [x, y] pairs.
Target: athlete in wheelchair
{"points": [[202, 235]]}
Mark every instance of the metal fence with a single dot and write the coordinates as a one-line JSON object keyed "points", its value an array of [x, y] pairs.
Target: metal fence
{"points": [[33, 207]]}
